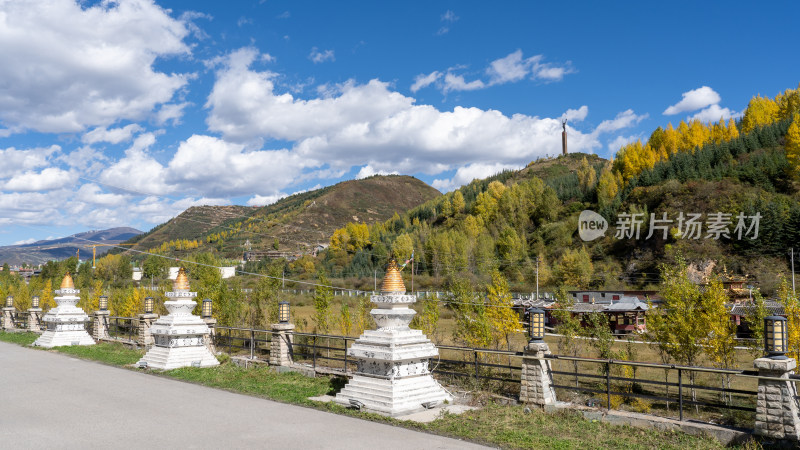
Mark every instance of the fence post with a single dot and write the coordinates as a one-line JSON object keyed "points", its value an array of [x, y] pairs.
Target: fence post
{"points": [[345, 356], [100, 325], [252, 343], [608, 386], [34, 320], [314, 353], [144, 336], [537, 377], [680, 393], [477, 378], [8, 318], [777, 414], [208, 339], [280, 349]]}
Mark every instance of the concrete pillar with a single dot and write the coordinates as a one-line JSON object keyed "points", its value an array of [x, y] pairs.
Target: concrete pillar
{"points": [[776, 408], [35, 320], [537, 377], [145, 338], [100, 325], [208, 339], [8, 318], [280, 350]]}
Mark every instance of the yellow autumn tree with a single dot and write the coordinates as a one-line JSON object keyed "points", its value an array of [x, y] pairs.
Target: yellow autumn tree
{"points": [[47, 298], [788, 103], [576, 268], [733, 132], [671, 138], [340, 239], [792, 144], [607, 187], [458, 202], [502, 318], [760, 111], [587, 177], [359, 236], [791, 307]]}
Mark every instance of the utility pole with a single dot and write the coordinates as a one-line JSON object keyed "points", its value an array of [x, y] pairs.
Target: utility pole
{"points": [[283, 279], [375, 280]]}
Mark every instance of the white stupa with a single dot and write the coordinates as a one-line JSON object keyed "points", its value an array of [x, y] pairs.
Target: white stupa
{"points": [[393, 377], [66, 323], [179, 336]]}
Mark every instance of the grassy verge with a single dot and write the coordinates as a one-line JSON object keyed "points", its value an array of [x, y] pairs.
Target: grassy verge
{"points": [[500, 425]]}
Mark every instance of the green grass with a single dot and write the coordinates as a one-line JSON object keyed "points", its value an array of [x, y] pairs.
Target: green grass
{"points": [[18, 338], [257, 381], [500, 425], [511, 427], [107, 352]]}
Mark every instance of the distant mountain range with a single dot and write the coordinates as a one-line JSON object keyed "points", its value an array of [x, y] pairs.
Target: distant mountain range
{"points": [[40, 252]]}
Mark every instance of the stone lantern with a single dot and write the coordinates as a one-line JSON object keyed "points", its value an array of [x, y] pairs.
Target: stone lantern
{"points": [[393, 376]]}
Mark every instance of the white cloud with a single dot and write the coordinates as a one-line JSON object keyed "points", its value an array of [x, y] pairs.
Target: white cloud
{"points": [[368, 171], [212, 166], [616, 143], [624, 119], [511, 68], [92, 193], [138, 171], [26, 241], [171, 112], [67, 67], [317, 56], [576, 115], [453, 82], [370, 125], [244, 105], [713, 113], [13, 161], [694, 100], [48, 179], [422, 81], [264, 200], [449, 17], [466, 174], [32, 208], [113, 135]]}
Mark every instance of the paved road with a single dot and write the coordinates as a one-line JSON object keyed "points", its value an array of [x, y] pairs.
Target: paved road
{"points": [[50, 400]]}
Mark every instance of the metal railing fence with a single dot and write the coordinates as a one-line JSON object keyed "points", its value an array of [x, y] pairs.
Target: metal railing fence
{"points": [[122, 328]]}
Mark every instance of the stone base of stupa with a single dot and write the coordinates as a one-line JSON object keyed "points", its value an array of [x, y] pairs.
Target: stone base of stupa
{"points": [[65, 325], [50, 339], [393, 398], [179, 339], [168, 358], [393, 377]]}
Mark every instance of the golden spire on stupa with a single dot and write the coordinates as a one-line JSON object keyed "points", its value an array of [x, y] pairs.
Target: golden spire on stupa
{"points": [[393, 281], [67, 283], [181, 281]]}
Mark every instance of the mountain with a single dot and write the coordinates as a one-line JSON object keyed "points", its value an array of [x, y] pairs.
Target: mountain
{"points": [[191, 224], [40, 252], [297, 222], [526, 223]]}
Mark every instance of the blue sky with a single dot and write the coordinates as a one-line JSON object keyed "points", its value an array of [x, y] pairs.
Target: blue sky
{"points": [[126, 113]]}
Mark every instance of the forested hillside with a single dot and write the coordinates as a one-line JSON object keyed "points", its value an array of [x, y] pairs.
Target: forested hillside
{"points": [[510, 220]]}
